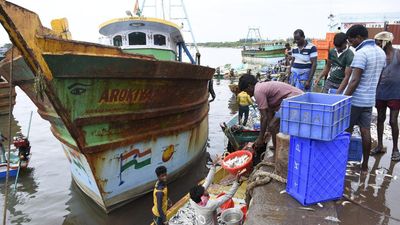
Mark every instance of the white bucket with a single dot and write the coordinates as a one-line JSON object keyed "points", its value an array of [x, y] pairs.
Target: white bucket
{"points": [[232, 216]]}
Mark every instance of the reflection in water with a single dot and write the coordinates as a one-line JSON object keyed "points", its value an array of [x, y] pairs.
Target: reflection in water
{"points": [[233, 105], [84, 211], [26, 185], [372, 191], [26, 189], [4, 123]]}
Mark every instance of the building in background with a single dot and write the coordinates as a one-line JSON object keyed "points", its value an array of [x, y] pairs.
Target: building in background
{"points": [[375, 23]]}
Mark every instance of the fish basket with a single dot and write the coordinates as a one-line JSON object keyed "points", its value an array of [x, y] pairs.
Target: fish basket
{"points": [[237, 169]]}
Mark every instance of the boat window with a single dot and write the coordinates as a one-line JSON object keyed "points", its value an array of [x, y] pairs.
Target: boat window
{"points": [[137, 38], [117, 40], [159, 39]]}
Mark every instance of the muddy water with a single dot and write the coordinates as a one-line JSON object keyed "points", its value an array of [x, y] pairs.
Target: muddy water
{"points": [[46, 193]]}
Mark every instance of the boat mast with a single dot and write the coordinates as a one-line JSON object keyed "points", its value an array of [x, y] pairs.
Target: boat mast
{"points": [[182, 20], [250, 32]]}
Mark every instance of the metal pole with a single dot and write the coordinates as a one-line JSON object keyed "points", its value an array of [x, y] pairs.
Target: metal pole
{"points": [[19, 160], [162, 7], [143, 6], [9, 137], [190, 27], [29, 126]]}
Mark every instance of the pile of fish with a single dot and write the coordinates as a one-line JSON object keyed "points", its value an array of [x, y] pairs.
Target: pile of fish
{"points": [[187, 215], [236, 161]]}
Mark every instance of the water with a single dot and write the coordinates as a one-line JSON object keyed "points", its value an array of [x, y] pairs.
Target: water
{"points": [[46, 193]]}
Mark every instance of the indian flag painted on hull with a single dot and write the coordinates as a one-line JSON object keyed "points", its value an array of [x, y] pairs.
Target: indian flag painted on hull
{"points": [[135, 159]]}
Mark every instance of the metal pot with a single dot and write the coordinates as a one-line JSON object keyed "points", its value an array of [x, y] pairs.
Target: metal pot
{"points": [[232, 216]]}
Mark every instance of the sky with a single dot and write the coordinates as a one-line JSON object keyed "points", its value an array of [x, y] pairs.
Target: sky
{"points": [[211, 20]]}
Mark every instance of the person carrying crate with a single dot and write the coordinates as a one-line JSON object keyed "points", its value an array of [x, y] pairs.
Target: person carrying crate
{"points": [[269, 96]]}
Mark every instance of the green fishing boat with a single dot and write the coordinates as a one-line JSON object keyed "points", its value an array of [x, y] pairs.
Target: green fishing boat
{"points": [[119, 111]]}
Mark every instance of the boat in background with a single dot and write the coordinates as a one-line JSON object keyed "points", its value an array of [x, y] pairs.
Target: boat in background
{"points": [[20, 156], [5, 97], [5, 89], [257, 51], [119, 111]]}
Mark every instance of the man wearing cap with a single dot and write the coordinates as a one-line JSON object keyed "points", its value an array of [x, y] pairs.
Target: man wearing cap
{"points": [[387, 93]]}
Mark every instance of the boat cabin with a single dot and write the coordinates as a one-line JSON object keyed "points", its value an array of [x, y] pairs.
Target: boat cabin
{"points": [[141, 35]]}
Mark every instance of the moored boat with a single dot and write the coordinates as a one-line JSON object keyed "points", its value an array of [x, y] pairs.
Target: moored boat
{"points": [[119, 111], [259, 52], [264, 53], [5, 97]]}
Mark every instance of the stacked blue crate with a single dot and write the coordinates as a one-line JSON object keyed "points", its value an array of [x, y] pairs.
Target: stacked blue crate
{"points": [[317, 169], [318, 145]]}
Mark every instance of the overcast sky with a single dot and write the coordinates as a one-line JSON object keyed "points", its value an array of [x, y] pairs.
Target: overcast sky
{"points": [[212, 20]]}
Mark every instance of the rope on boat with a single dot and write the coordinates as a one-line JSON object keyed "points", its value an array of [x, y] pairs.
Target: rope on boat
{"points": [[9, 137], [39, 85], [259, 178]]}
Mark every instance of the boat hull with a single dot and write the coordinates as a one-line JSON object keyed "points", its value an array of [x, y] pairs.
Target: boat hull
{"points": [[5, 98], [127, 126], [259, 57], [123, 174]]}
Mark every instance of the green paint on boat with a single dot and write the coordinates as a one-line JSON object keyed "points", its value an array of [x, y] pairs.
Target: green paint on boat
{"points": [[160, 54]]}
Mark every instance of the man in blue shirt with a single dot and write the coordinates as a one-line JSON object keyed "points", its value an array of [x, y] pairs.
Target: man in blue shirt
{"points": [[367, 65], [304, 62]]}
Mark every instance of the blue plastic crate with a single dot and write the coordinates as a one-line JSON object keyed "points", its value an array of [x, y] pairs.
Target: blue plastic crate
{"points": [[317, 169], [332, 91], [315, 115], [355, 149]]}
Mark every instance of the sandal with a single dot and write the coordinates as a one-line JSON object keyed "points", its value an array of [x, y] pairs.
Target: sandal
{"points": [[377, 150], [396, 156]]}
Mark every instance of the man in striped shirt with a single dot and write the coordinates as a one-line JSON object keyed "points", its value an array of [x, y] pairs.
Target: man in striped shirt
{"points": [[367, 65], [304, 62]]}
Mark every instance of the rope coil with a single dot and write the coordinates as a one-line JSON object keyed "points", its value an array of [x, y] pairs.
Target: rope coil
{"points": [[259, 178]]}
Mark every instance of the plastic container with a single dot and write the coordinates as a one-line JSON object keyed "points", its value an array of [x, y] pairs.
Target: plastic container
{"points": [[317, 169], [355, 149], [322, 54], [228, 204], [321, 44], [332, 91], [315, 115], [245, 165], [256, 126], [232, 216]]}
